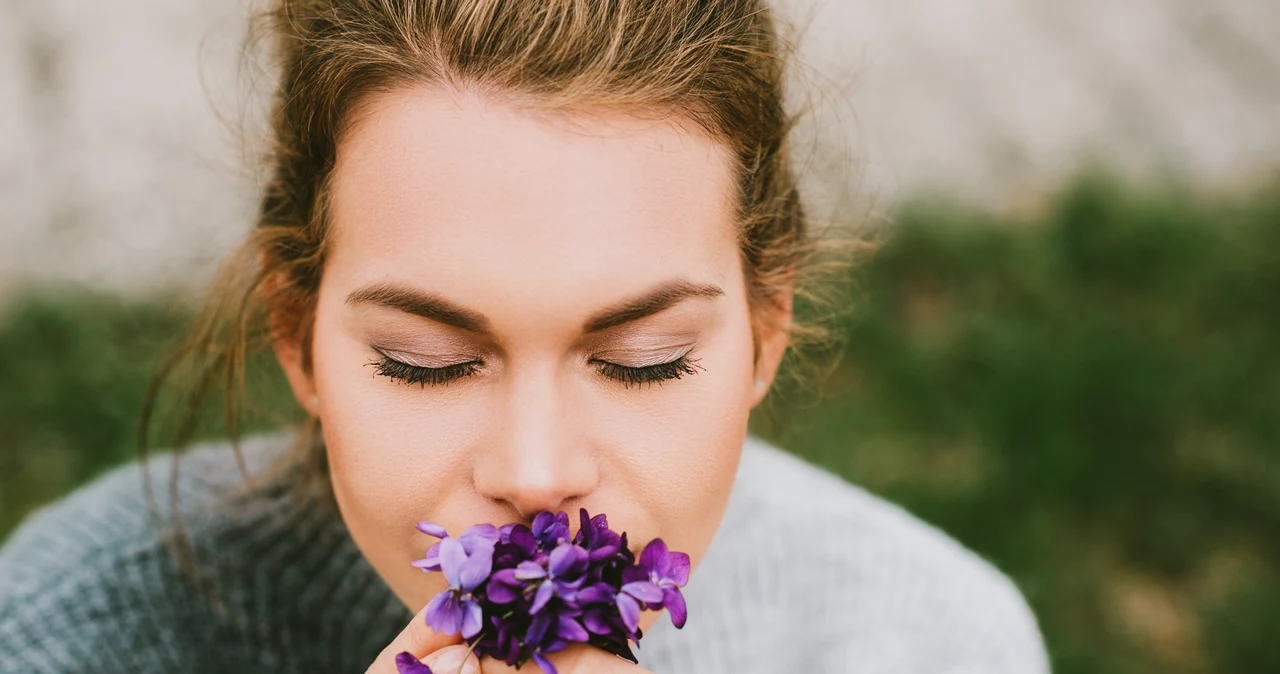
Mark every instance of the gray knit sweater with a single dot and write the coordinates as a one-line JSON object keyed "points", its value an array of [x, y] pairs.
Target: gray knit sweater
{"points": [[807, 574]]}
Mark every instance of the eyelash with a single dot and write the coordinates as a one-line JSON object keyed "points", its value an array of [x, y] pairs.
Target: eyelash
{"points": [[414, 374], [649, 374]]}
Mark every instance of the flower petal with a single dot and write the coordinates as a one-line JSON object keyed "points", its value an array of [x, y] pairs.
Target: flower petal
{"points": [[600, 593], [542, 521], [521, 535], [598, 622], [444, 614], [483, 532], [620, 649], [538, 629], [567, 560], [629, 610], [452, 557], [678, 571], [558, 531], [432, 529], [430, 562], [472, 620], [407, 664], [530, 571], [571, 630], [545, 590], [584, 527], [674, 603], [503, 588], [604, 552], [624, 550], [545, 664], [654, 556], [568, 591], [634, 574], [427, 565], [477, 567], [644, 591]]}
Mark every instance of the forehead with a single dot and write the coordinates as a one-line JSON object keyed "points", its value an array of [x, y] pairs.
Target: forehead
{"points": [[480, 199]]}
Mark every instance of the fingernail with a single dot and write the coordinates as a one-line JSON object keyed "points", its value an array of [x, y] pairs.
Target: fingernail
{"points": [[448, 660]]}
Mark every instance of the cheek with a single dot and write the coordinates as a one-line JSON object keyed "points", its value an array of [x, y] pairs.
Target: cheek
{"points": [[395, 457], [678, 454]]}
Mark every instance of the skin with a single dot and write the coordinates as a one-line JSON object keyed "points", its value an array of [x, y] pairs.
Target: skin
{"points": [[534, 225]]}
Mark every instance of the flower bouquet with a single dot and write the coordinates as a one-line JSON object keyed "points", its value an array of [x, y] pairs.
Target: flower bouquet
{"points": [[520, 593]]}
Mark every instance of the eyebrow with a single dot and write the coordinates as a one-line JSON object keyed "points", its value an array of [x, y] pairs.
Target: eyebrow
{"points": [[428, 305]]}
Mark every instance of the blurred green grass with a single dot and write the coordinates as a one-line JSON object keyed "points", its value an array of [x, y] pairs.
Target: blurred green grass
{"points": [[1088, 395]]}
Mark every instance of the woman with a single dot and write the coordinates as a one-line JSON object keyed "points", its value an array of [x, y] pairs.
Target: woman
{"points": [[513, 257]]}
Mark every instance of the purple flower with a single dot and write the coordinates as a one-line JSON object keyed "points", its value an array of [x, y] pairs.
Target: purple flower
{"points": [[597, 602], [551, 530], [523, 592], [455, 610], [544, 663], [475, 537], [407, 664], [561, 578], [595, 535], [503, 640], [432, 529], [520, 536], [656, 581], [504, 587]]}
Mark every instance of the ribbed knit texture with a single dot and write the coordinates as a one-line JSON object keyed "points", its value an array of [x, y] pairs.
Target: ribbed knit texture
{"points": [[806, 574]]}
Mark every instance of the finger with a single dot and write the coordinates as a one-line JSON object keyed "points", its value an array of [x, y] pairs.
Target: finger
{"points": [[453, 660], [417, 639], [576, 659]]}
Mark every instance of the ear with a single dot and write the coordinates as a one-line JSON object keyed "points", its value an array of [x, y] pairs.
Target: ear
{"points": [[289, 352], [775, 333]]}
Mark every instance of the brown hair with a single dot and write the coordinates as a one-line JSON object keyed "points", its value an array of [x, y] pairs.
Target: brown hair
{"points": [[718, 63]]}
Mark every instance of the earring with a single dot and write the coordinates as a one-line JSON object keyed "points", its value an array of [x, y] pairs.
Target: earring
{"points": [[315, 400], [760, 383]]}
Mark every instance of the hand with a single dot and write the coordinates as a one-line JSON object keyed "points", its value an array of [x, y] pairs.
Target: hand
{"points": [[419, 640], [444, 655], [576, 659]]}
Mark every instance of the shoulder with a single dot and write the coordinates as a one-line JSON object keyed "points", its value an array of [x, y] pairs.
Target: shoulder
{"points": [[89, 579], [870, 580], [111, 518]]}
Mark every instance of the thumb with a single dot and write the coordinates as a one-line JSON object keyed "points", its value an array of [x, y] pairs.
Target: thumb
{"points": [[453, 660], [417, 639]]}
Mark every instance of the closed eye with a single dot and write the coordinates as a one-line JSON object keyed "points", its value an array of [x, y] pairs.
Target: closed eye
{"points": [[403, 372], [650, 373]]}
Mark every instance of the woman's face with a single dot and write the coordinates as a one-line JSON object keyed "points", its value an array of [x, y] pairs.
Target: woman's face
{"points": [[507, 300]]}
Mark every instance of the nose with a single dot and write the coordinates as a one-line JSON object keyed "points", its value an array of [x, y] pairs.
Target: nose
{"points": [[536, 458]]}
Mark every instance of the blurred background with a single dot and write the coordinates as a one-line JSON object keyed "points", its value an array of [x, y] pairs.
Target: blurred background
{"points": [[1064, 355]]}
